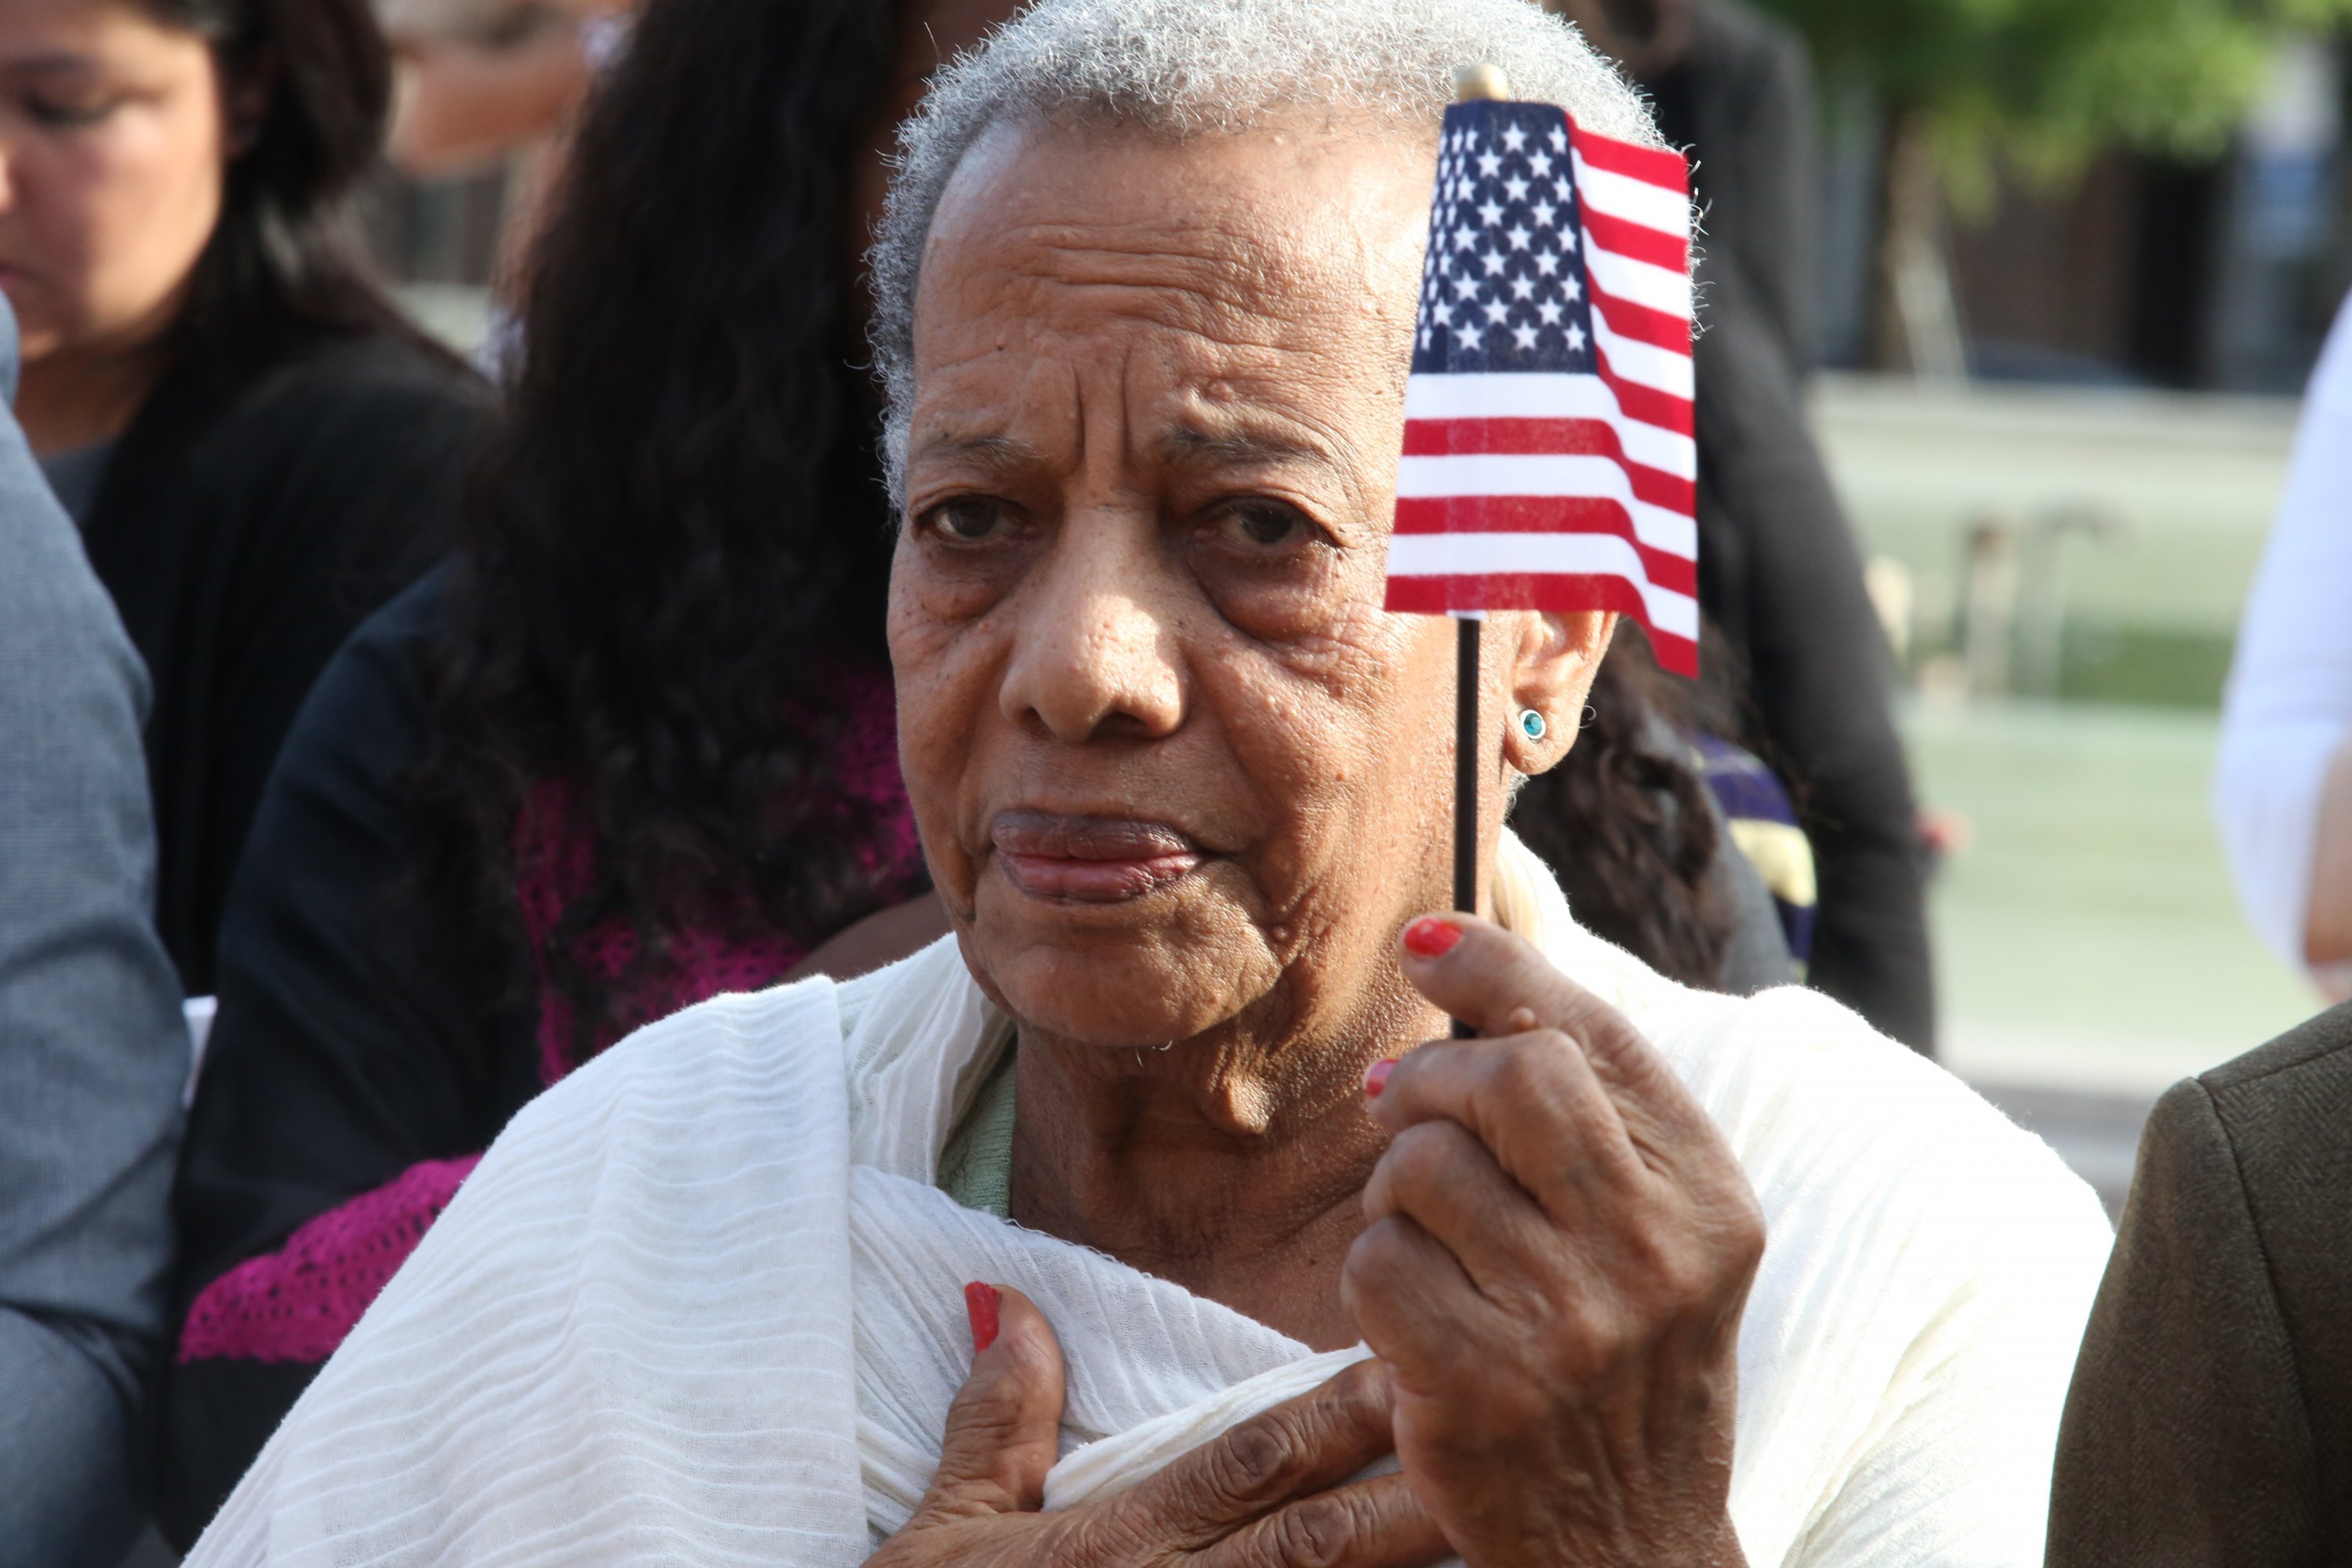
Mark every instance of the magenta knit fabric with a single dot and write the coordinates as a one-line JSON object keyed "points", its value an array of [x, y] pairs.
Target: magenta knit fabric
{"points": [[554, 852], [298, 1303]]}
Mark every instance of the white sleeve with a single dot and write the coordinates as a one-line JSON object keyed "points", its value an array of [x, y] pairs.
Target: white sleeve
{"points": [[2289, 704]]}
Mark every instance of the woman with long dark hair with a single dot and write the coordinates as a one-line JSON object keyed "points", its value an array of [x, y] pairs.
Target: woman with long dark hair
{"points": [[257, 448], [632, 746]]}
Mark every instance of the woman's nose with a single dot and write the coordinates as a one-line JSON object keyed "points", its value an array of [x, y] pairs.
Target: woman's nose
{"points": [[1097, 648]]}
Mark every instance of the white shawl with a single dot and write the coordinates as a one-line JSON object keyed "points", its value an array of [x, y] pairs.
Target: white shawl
{"points": [[702, 1304]]}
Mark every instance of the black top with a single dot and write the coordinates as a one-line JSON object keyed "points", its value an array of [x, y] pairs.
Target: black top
{"points": [[2210, 1416], [1779, 576], [360, 1036], [243, 535]]}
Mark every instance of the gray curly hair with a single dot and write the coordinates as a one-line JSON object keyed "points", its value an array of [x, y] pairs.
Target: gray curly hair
{"points": [[1188, 67]]}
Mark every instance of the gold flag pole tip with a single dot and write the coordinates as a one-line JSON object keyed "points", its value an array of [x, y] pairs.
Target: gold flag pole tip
{"points": [[1483, 79]]}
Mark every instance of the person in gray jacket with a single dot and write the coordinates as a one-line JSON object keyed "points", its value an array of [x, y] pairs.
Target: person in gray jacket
{"points": [[93, 1052]]}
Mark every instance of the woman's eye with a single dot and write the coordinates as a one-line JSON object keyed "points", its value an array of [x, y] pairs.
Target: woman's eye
{"points": [[69, 111], [965, 520], [1263, 527]]}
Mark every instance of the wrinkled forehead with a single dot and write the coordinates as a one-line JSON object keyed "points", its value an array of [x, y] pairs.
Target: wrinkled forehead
{"points": [[1286, 256]]}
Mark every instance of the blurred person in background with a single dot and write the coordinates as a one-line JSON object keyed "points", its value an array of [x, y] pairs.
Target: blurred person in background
{"points": [[93, 1055], [2282, 788], [635, 745], [257, 448], [1803, 676], [485, 82], [2211, 1417]]}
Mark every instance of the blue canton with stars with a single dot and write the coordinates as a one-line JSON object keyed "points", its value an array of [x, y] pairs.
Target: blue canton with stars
{"points": [[1504, 287]]}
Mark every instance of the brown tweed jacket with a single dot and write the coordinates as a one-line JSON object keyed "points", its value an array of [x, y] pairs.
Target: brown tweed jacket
{"points": [[2210, 1417]]}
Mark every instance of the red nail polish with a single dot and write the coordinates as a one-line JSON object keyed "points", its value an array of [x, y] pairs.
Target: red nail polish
{"points": [[1376, 1078], [1432, 937], [980, 1301]]}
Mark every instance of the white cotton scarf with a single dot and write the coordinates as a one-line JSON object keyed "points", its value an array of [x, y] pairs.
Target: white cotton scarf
{"points": [[702, 1304]]}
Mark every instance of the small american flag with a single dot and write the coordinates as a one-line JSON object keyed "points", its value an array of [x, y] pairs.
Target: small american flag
{"points": [[1549, 463]]}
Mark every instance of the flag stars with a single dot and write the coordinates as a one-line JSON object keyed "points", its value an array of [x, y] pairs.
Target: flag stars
{"points": [[1519, 237], [1496, 311], [1544, 212], [1464, 288], [1575, 337], [1490, 165], [1548, 263], [1494, 262], [1551, 311], [1489, 213], [1469, 337], [1558, 138], [1515, 188], [1514, 138], [1541, 164], [1523, 288], [1524, 336]]}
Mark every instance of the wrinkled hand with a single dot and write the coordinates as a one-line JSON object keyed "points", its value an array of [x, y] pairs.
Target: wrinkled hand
{"points": [[1560, 1245], [1267, 1493]]}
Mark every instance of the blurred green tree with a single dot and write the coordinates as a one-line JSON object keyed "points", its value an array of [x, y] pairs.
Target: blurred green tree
{"points": [[1964, 85]]}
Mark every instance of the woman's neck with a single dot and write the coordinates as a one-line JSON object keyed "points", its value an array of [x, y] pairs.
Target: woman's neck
{"points": [[1227, 1167], [74, 398]]}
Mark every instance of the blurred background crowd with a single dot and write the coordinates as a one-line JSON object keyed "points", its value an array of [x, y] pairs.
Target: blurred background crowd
{"points": [[518, 342]]}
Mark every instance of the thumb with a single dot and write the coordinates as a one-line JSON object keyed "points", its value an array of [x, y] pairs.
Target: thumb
{"points": [[1005, 1428]]}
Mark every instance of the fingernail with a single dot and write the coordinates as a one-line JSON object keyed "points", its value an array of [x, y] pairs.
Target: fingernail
{"points": [[980, 1301], [1432, 937], [1376, 1078]]}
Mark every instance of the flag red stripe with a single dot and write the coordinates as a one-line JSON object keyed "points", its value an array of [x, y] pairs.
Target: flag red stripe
{"points": [[1549, 437], [1642, 324], [1545, 514], [1651, 165], [1647, 404], [1636, 242], [1560, 595]]}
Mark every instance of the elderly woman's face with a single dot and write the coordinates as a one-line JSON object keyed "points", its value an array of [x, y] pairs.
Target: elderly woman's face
{"points": [[1173, 766]]}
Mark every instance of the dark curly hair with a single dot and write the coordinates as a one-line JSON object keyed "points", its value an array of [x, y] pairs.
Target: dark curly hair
{"points": [[283, 267], [677, 542], [1627, 827]]}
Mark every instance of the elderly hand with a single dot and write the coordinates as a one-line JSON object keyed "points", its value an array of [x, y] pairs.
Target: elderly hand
{"points": [[1266, 1494], [1560, 1245]]}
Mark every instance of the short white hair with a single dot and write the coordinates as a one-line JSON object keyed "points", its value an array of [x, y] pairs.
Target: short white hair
{"points": [[1188, 67]]}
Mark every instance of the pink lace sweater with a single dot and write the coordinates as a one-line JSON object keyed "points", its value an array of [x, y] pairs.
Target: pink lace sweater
{"points": [[297, 1303]]}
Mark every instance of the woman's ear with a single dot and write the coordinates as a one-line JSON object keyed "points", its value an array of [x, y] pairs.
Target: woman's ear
{"points": [[1554, 660]]}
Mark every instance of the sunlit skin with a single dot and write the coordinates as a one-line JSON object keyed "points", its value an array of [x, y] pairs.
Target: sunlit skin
{"points": [[1151, 477], [115, 137], [1183, 786]]}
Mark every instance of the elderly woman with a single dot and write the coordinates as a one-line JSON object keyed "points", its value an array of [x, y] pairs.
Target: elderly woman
{"points": [[1640, 1275]]}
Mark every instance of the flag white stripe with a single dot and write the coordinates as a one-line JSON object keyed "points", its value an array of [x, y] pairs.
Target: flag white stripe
{"points": [[1644, 364], [1557, 474], [1542, 555], [1622, 196], [1638, 282], [1541, 395]]}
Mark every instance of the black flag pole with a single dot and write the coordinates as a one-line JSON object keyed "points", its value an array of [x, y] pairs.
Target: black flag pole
{"points": [[1467, 751], [1470, 83]]}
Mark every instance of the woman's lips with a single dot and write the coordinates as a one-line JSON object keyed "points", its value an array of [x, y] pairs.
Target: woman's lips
{"points": [[1090, 859]]}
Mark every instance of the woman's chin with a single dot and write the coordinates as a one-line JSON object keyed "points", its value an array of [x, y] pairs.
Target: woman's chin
{"points": [[1167, 965]]}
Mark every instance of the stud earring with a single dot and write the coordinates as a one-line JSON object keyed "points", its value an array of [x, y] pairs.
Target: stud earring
{"points": [[1531, 724]]}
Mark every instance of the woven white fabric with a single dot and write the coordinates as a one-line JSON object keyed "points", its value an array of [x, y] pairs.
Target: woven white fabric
{"points": [[700, 1304]]}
